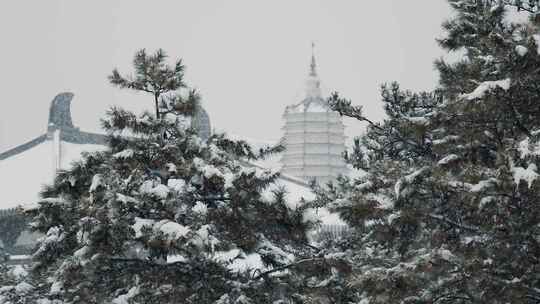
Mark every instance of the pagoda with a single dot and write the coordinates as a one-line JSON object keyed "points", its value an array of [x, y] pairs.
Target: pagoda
{"points": [[314, 136]]}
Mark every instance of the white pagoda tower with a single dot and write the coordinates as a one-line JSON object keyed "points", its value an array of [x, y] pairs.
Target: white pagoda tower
{"points": [[313, 136]]}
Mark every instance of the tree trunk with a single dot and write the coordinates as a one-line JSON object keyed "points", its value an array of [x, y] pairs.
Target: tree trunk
{"points": [[156, 101]]}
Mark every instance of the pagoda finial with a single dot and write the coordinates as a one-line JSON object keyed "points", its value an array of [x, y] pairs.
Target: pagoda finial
{"points": [[313, 70], [313, 83]]}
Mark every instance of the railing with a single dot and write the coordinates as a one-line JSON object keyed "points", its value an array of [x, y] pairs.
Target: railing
{"points": [[7, 212], [19, 260], [330, 232]]}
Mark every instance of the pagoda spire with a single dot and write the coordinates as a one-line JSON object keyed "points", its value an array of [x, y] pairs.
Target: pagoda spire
{"points": [[313, 84], [313, 66]]}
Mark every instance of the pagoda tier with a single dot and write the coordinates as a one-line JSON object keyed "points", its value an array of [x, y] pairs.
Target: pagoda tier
{"points": [[314, 143]]}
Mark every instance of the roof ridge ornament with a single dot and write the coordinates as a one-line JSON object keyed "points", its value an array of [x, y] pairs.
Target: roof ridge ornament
{"points": [[60, 112]]}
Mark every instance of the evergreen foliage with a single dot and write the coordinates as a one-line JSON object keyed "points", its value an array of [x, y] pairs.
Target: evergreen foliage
{"points": [[3, 254], [13, 286], [448, 211], [167, 219], [531, 6], [154, 76], [12, 226]]}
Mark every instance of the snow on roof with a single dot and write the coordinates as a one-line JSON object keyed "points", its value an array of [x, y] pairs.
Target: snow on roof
{"points": [[23, 176]]}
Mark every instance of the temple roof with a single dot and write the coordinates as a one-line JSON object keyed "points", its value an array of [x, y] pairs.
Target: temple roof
{"points": [[25, 169], [23, 175]]}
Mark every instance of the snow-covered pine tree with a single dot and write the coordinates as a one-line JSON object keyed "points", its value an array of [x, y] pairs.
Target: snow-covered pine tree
{"points": [[4, 280], [448, 211], [14, 288], [154, 76], [12, 225], [531, 6], [166, 219], [3, 254]]}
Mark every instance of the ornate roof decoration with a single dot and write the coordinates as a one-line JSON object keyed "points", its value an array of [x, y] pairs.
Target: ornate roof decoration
{"points": [[60, 111]]}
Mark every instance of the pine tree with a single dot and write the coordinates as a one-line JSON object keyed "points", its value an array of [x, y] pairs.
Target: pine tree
{"points": [[154, 76], [448, 209], [3, 254], [14, 287], [165, 219], [12, 226], [531, 6]]}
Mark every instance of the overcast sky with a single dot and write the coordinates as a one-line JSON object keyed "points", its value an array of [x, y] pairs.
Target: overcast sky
{"points": [[249, 59]]}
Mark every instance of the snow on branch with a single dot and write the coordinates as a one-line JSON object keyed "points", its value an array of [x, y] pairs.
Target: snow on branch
{"points": [[487, 86]]}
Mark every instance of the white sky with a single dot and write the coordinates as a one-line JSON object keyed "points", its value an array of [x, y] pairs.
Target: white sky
{"points": [[248, 58]]}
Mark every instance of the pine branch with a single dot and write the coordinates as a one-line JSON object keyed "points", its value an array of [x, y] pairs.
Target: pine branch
{"points": [[284, 267], [453, 223], [345, 108]]}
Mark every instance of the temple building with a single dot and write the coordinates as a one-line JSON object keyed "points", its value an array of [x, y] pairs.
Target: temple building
{"points": [[31, 165], [314, 136], [314, 140], [26, 168]]}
